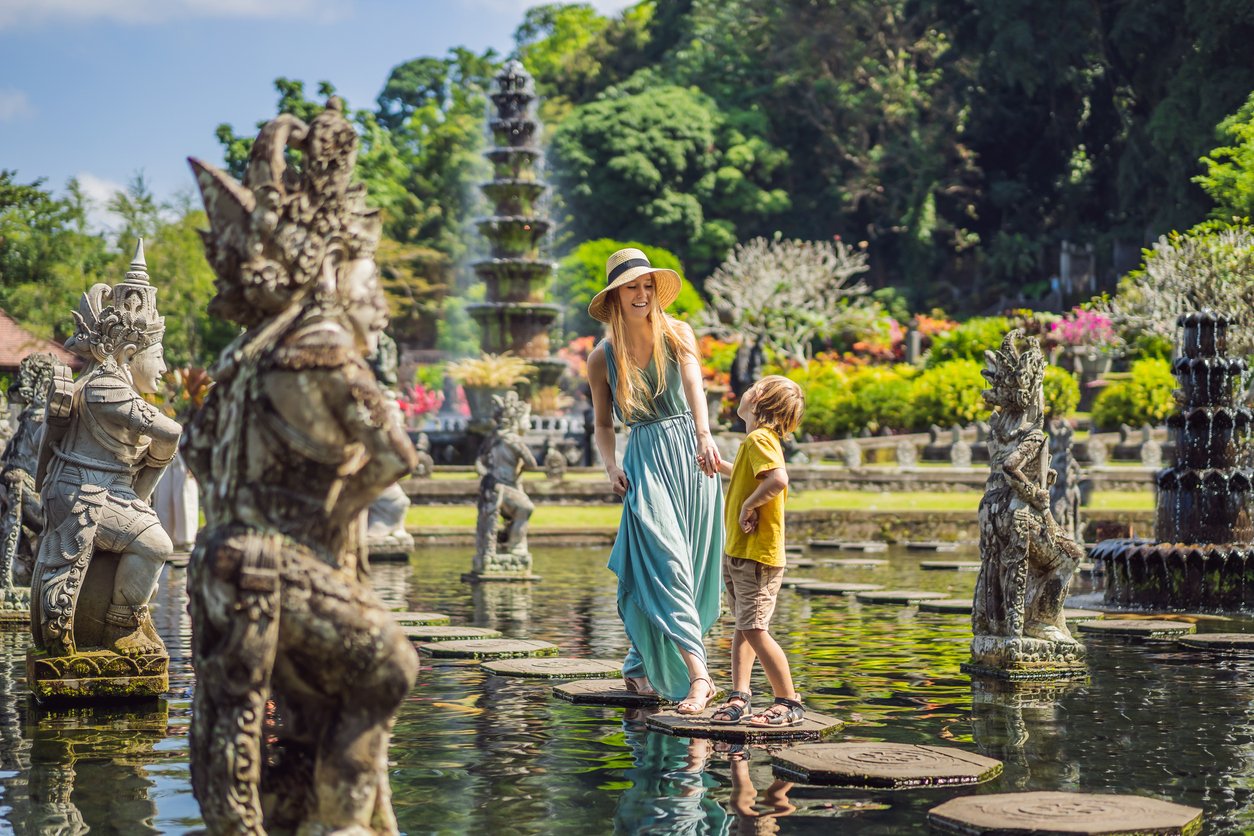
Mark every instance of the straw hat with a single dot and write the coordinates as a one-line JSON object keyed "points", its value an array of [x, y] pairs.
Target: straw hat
{"points": [[624, 267]]}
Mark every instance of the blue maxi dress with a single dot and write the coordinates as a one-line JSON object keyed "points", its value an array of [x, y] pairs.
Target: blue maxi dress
{"points": [[670, 540]]}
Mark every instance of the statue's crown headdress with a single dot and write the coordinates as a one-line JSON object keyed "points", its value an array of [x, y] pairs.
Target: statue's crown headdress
{"points": [[285, 230], [510, 410], [1014, 372], [33, 376], [110, 318]]}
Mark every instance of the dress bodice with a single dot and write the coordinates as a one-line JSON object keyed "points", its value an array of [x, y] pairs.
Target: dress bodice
{"points": [[666, 405]]}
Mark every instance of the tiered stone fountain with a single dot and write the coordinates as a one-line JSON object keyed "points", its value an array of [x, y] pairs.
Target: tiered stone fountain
{"points": [[514, 316], [1202, 554]]}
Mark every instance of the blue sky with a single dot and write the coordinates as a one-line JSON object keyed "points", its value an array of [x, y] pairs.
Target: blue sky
{"points": [[103, 89]]}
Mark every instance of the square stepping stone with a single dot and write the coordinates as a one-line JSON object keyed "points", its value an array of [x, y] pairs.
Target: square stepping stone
{"points": [[604, 692], [1137, 627], [790, 581], [901, 597], [932, 546], [420, 619], [803, 563], [1227, 642], [854, 562], [950, 565], [815, 726], [1050, 813], [555, 667], [850, 545], [950, 605], [883, 765], [836, 588], [488, 649], [1076, 614], [419, 633]]}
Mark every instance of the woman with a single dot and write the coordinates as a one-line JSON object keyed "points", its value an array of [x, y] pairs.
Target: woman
{"points": [[670, 540]]}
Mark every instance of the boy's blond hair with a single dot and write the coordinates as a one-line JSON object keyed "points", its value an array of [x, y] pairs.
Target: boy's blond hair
{"points": [[780, 404]]}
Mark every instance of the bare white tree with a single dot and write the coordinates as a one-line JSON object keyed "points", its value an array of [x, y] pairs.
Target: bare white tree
{"points": [[1190, 272], [783, 294]]}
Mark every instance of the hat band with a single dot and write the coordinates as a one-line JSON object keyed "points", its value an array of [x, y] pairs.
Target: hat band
{"points": [[625, 266]]}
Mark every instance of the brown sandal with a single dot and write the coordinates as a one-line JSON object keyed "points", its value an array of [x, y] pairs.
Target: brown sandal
{"points": [[793, 714], [731, 715], [696, 706]]}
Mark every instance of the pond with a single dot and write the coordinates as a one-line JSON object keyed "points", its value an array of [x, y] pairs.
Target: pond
{"points": [[478, 753]]}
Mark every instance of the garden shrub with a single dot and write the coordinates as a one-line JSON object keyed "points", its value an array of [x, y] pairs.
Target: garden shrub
{"points": [[1062, 392], [829, 399], [1145, 397], [969, 340], [882, 397], [948, 393]]}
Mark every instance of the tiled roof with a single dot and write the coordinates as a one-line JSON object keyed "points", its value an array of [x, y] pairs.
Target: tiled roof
{"points": [[16, 342]]}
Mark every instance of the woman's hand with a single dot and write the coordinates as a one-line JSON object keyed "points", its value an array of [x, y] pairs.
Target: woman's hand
{"points": [[708, 458], [618, 479]]}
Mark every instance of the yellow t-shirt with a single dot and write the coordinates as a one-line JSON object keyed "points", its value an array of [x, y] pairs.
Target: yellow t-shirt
{"points": [[760, 452]]}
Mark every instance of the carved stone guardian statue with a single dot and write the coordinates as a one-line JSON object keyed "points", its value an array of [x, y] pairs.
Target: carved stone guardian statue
{"points": [[23, 514], [300, 668], [501, 550], [103, 449], [386, 537], [1064, 493], [1026, 559]]}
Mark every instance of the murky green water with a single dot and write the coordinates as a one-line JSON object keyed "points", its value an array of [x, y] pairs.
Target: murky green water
{"points": [[475, 753]]}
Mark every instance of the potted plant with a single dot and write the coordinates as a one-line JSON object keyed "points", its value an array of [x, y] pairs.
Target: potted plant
{"points": [[1090, 337], [487, 375]]}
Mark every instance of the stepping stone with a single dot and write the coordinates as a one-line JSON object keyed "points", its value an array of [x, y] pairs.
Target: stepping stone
{"points": [[950, 565], [1049, 813], [883, 765], [604, 692], [932, 546], [1072, 614], [555, 667], [420, 619], [814, 727], [1220, 641], [854, 563], [803, 563], [1144, 628], [899, 596], [794, 549], [488, 649], [799, 582], [835, 588], [443, 633], [850, 545], [953, 605]]}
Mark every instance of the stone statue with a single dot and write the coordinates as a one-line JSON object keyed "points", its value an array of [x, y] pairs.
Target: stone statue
{"points": [[103, 449], [501, 462], [385, 522], [1064, 493], [1026, 558], [23, 514], [554, 462], [299, 667], [426, 464]]}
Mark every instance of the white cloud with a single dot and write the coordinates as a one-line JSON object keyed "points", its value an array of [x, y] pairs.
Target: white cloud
{"points": [[99, 192], [14, 105], [14, 13]]}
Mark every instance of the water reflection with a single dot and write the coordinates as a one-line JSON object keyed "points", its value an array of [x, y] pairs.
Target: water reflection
{"points": [[670, 791], [1023, 725]]}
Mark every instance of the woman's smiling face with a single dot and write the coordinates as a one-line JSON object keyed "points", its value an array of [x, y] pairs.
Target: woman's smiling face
{"points": [[636, 297]]}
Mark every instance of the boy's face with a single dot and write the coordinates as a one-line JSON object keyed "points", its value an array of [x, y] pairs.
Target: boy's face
{"points": [[748, 401]]}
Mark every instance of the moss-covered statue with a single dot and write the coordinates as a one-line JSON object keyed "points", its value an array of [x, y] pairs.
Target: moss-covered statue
{"points": [[501, 549], [1026, 559], [299, 667]]}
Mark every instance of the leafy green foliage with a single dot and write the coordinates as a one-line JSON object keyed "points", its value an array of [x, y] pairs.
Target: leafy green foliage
{"points": [[949, 393], [1229, 177], [1145, 397], [969, 340], [1062, 392]]}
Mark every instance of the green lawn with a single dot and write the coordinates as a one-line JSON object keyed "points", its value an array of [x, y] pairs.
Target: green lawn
{"points": [[603, 516]]}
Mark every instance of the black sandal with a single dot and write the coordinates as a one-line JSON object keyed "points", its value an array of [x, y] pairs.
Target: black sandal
{"points": [[730, 715], [794, 714]]}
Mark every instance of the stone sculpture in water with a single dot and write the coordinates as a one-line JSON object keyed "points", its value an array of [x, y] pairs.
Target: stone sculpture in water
{"points": [[300, 668], [1026, 559], [501, 462], [22, 518], [1064, 493], [103, 449]]}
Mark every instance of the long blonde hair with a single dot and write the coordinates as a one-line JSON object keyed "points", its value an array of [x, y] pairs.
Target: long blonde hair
{"points": [[631, 393]]}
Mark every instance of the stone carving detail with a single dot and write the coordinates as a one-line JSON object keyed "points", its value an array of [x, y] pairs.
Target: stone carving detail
{"points": [[850, 453], [907, 454], [1026, 558], [385, 521], [299, 666], [502, 550], [22, 519], [426, 464], [103, 450], [555, 463], [1064, 493]]}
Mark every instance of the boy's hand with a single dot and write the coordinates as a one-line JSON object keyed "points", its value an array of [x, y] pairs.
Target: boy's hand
{"points": [[748, 519]]}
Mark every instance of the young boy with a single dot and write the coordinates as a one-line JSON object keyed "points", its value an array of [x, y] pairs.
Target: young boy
{"points": [[753, 567]]}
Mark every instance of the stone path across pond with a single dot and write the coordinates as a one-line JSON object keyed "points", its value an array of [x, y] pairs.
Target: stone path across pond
{"points": [[836, 588], [1048, 813], [420, 634], [488, 649], [899, 596], [555, 667], [883, 765], [1137, 627], [814, 727]]}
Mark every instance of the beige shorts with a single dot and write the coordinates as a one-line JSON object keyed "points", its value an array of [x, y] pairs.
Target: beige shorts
{"points": [[752, 589]]}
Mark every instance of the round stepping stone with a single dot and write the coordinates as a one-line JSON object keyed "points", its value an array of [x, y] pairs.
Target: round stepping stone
{"points": [[1220, 641], [420, 619], [445, 633], [1145, 628], [799, 582], [603, 692], [883, 765], [899, 596], [555, 667], [1074, 614], [814, 727], [835, 588], [950, 565], [932, 546], [850, 545], [953, 605], [854, 562], [488, 649], [1049, 813]]}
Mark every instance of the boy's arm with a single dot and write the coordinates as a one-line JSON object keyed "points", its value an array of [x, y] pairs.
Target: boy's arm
{"points": [[771, 483], [725, 467]]}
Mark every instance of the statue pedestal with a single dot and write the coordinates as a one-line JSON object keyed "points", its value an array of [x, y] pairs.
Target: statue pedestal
{"points": [[96, 675], [1025, 659], [396, 545], [492, 577]]}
